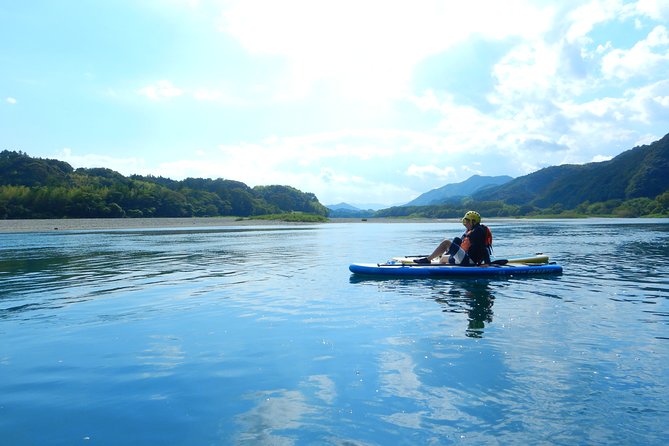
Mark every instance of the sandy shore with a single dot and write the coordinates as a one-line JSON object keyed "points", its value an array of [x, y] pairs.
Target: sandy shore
{"points": [[99, 224], [95, 224]]}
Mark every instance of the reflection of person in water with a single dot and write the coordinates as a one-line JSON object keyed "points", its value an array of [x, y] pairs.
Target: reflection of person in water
{"points": [[472, 297], [480, 310]]}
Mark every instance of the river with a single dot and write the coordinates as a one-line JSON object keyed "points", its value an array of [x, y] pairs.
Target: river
{"points": [[260, 335]]}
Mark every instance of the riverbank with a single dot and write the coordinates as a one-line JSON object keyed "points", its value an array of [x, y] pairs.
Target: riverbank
{"points": [[97, 224], [107, 224], [101, 224]]}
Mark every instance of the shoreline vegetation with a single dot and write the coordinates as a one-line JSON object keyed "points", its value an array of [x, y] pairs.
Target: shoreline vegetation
{"points": [[633, 184], [120, 224]]}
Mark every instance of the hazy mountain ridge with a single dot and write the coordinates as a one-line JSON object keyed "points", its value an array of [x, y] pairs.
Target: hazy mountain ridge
{"points": [[345, 210], [636, 182], [342, 207], [458, 190], [636, 173]]}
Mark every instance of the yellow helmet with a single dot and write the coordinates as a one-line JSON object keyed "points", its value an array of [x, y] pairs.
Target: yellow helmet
{"points": [[472, 216]]}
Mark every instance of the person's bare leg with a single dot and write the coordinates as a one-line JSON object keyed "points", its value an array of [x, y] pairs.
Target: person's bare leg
{"points": [[442, 248]]}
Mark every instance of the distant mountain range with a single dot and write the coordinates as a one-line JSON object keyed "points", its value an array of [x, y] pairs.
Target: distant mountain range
{"points": [[457, 191], [345, 210], [443, 194], [342, 207], [634, 183], [640, 172], [356, 210]]}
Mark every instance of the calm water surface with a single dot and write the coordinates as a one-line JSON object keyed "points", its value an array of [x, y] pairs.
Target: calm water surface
{"points": [[260, 335]]}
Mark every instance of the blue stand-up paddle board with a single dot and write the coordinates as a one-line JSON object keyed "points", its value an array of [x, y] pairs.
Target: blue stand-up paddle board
{"points": [[405, 266]]}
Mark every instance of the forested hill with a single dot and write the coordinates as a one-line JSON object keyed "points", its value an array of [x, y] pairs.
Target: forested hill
{"points": [[455, 192], [633, 184], [642, 172], [46, 188]]}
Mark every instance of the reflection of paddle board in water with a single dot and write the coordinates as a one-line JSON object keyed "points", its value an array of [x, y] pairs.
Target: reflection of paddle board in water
{"points": [[405, 266]]}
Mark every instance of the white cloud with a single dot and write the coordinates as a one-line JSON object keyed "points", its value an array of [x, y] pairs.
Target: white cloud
{"points": [[547, 99], [165, 89], [647, 139], [473, 169], [369, 49], [441, 173], [546, 96], [125, 166], [599, 108], [10, 101], [584, 18], [644, 58], [510, 133], [308, 149], [161, 89], [525, 75], [461, 129], [650, 103], [220, 96], [329, 185], [655, 9], [320, 163], [207, 95], [200, 168], [647, 104], [354, 189]]}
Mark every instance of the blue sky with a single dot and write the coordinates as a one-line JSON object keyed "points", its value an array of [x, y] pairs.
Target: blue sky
{"points": [[361, 101]]}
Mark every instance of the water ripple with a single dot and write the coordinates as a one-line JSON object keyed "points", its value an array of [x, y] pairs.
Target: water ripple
{"points": [[233, 335]]}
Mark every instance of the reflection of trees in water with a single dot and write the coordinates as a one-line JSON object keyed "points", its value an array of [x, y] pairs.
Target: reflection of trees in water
{"points": [[472, 297]]}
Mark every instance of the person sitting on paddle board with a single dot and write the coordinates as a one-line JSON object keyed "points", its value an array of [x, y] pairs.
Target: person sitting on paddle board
{"points": [[472, 249]]}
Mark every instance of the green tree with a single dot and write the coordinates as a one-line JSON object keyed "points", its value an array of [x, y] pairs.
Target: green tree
{"points": [[663, 201], [242, 202]]}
